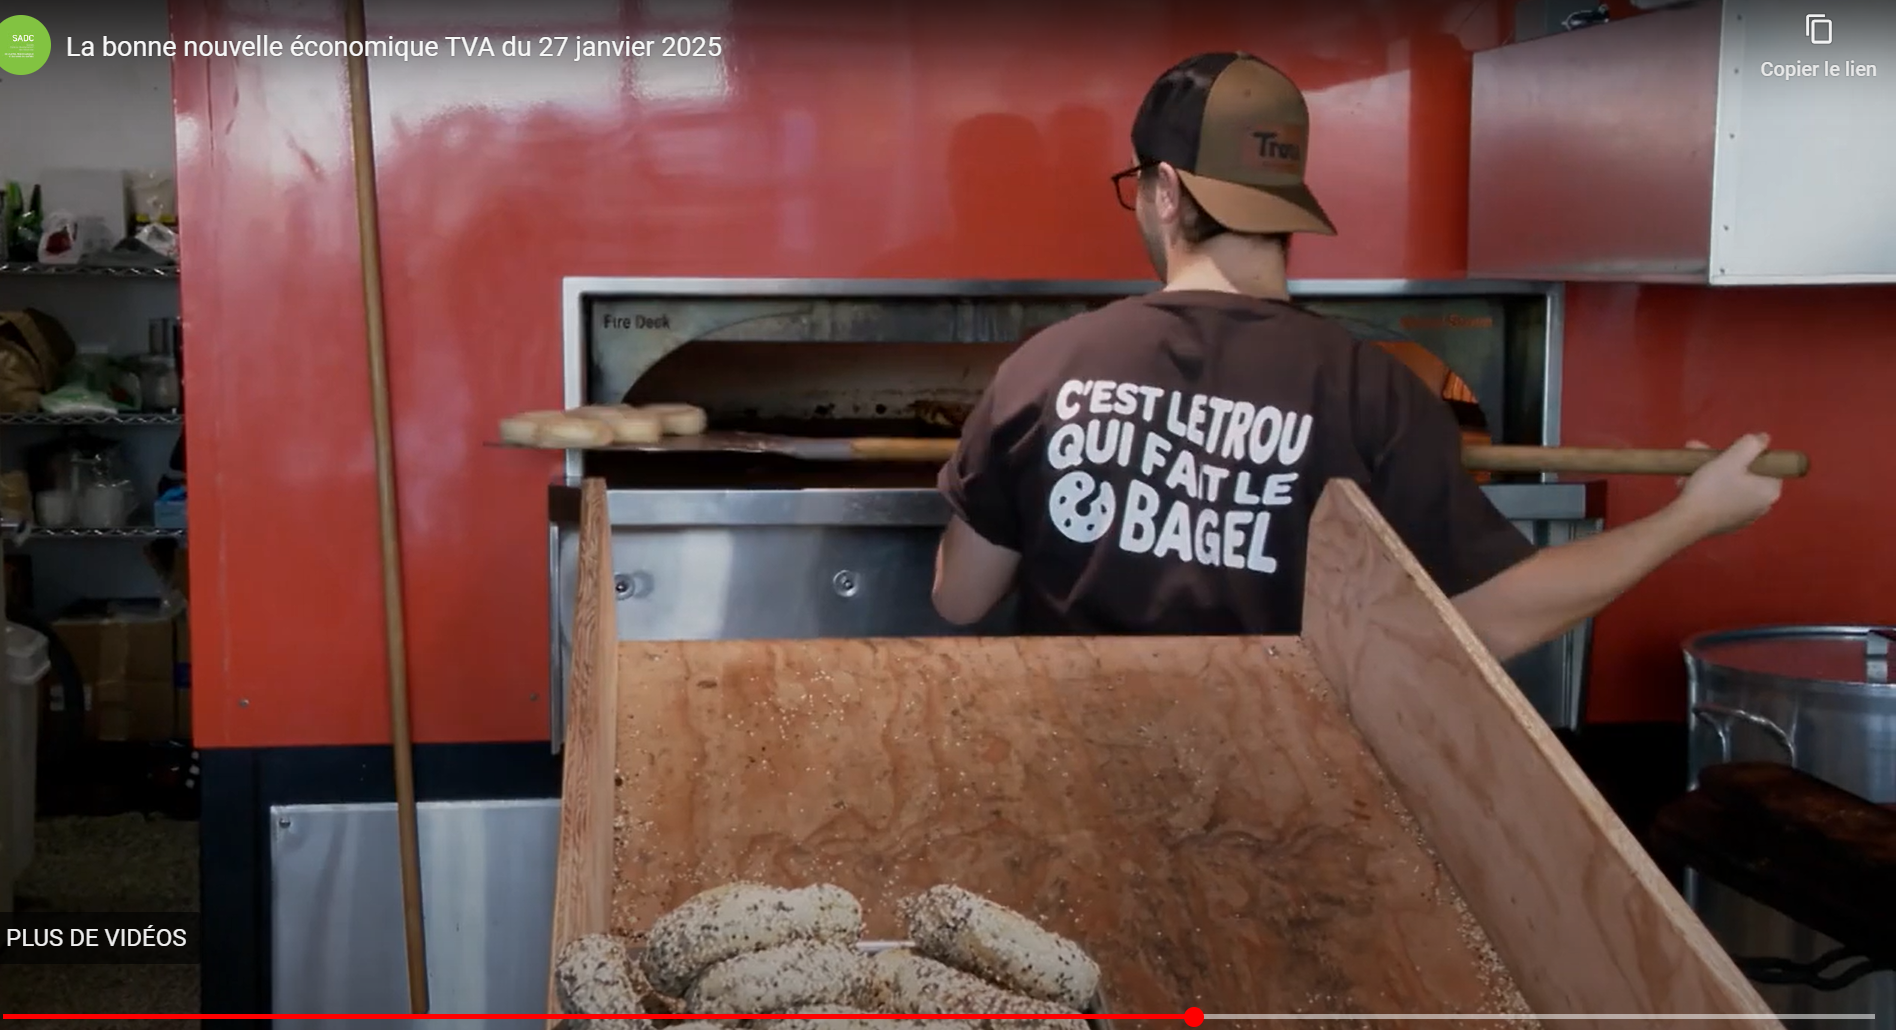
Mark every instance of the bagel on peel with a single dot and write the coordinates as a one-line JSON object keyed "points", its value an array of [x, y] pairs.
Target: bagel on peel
{"points": [[573, 431], [679, 419], [629, 425], [523, 430]]}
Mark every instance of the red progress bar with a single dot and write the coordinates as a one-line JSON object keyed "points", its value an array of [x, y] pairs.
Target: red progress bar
{"points": [[1191, 1017]]}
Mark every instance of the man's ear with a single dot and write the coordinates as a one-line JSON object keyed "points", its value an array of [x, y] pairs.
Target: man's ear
{"points": [[1165, 194]]}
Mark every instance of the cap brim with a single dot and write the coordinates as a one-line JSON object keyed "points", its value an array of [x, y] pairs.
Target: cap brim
{"points": [[1259, 209]]}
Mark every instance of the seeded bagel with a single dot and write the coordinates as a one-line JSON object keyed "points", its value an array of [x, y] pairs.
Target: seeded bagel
{"points": [[825, 1024], [996, 943], [775, 980], [728, 921], [595, 977], [856, 1024], [902, 981]]}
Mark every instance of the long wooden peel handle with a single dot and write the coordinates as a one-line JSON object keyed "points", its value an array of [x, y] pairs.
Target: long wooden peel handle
{"points": [[892, 448], [1613, 461], [1604, 461]]}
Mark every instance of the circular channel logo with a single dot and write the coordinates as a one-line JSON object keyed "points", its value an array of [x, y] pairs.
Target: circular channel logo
{"points": [[24, 45]]}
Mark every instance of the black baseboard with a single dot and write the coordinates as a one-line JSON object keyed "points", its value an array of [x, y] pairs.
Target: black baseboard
{"points": [[240, 786]]}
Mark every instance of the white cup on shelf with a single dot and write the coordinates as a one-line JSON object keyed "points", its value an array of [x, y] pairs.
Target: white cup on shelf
{"points": [[103, 506], [54, 508]]}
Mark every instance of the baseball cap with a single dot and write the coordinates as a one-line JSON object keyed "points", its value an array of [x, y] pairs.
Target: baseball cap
{"points": [[1238, 132]]}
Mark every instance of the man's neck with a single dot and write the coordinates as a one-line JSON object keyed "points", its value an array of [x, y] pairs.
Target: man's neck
{"points": [[1226, 264]]}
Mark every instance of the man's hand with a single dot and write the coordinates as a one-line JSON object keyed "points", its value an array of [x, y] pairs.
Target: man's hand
{"points": [[1725, 494]]}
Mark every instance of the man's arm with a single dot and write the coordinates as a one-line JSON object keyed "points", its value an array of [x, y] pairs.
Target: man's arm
{"points": [[971, 574], [1554, 590], [980, 551], [1560, 587]]}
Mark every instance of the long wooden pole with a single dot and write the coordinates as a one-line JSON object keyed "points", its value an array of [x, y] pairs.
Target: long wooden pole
{"points": [[1591, 461], [1594, 461], [368, 227]]}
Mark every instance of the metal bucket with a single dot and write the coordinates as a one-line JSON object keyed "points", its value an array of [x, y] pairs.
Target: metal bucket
{"points": [[1818, 698]]}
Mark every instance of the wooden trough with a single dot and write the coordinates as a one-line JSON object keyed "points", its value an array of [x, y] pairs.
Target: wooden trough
{"points": [[1367, 819]]}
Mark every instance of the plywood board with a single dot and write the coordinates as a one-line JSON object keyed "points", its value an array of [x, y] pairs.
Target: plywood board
{"points": [[583, 880], [1579, 913], [1198, 812]]}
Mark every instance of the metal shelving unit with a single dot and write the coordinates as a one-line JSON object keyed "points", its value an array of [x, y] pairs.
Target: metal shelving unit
{"points": [[120, 533], [41, 418], [76, 562], [92, 271]]}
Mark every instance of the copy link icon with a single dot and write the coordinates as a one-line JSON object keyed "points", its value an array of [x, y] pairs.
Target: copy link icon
{"points": [[1817, 28]]}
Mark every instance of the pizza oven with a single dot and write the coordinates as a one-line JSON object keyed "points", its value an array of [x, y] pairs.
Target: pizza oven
{"points": [[757, 540]]}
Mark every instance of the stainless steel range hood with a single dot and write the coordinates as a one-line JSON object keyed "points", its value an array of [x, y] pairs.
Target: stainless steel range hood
{"points": [[1738, 143]]}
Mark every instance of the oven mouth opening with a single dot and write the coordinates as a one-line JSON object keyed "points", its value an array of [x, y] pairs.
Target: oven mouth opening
{"points": [[824, 428], [724, 470], [834, 390]]}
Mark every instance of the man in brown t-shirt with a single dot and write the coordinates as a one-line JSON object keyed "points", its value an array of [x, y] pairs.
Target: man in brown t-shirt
{"points": [[1151, 467]]}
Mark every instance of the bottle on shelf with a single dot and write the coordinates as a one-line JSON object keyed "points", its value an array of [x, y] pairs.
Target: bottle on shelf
{"points": [[20, 222], [160, 387]]}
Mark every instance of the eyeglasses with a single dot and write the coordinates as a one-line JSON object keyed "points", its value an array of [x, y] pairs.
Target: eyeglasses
{"points": [[1126, 184]]}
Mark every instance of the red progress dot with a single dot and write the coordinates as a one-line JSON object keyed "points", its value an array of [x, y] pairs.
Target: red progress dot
{"points": [[1194, 1016]]}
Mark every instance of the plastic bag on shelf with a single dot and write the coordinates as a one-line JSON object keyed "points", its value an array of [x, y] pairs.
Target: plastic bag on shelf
{"points": [[78, 399], [100, 373], [161, 240], [59, 241]]}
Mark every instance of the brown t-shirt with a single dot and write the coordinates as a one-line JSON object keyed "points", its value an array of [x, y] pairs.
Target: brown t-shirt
{"points": [[1156, 462]]}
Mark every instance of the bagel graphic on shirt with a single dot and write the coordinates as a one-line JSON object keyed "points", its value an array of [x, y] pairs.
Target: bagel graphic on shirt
{"points": [[1081, 507]]}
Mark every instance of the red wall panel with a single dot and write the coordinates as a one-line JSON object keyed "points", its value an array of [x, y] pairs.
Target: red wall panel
{"points": [[1656, 366], [898, 139], [285, 620]]}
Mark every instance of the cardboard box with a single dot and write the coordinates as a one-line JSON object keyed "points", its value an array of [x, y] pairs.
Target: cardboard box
{"points": [[119, 649], [142, 711], [129, 665]]}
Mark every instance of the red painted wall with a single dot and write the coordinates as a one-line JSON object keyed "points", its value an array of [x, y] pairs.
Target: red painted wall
{"points": [[1659, 365]]}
